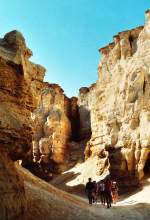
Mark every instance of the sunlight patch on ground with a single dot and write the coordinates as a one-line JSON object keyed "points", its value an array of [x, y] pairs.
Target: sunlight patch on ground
{"points": [[84, 170], [142, 196]]}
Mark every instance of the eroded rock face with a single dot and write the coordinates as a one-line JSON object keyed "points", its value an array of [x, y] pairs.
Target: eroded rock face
{"points": [[56, 128], [119, 106], [84, 114], [19, 79], [114, 115], [12, 194], [52, 128]]}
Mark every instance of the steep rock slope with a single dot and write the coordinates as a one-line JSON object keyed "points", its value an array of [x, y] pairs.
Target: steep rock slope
{"points": [[52, 128], [119, 107], [114, 113], [19, 79], [55, 132]]}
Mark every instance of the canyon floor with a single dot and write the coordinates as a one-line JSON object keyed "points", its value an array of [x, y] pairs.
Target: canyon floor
{"points": [[47, 202]]}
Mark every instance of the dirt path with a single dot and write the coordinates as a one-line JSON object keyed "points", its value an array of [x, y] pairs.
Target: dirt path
{"points": [[135, 206], [123, 210], [46, 202]]}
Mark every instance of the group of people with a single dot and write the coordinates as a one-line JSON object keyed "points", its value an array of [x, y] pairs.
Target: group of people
{"points": [[106, 190]]}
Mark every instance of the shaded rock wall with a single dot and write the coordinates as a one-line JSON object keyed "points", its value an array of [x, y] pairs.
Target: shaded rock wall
{"points": [[13, 202], [119, 106], [73, 115], [55, 127], [19, 78], [84, 114]]}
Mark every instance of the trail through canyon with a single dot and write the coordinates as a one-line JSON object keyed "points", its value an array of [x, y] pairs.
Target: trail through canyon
{"points": [[64, 141], [47, 202]]}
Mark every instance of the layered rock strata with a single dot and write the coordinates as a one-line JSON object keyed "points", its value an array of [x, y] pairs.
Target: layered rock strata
{"points": [[119, 107], [114, 113], [19, 80]]}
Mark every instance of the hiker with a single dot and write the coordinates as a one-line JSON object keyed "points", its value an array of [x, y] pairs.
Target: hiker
{"points": [[94, 192], [89, 188], [101, 192], [108, 197], [114, 192]]}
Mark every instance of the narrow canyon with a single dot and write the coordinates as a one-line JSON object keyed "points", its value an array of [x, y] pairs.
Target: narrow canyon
{"points": [[51, 144]]}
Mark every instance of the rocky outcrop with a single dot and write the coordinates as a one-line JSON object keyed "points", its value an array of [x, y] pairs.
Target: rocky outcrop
{"points": [[119, 107], [13, 203], [52, 127], [16, 85], [55, 128], [113, 115], [19, 80], [84, 114]]}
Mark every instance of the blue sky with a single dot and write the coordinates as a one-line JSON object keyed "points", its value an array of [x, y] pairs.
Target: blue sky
{"points": [[65, 35]]}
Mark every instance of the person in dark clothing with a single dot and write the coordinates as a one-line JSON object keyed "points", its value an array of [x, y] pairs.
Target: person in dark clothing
{"points": [[89, 188], [108, 197], [94, 192]]}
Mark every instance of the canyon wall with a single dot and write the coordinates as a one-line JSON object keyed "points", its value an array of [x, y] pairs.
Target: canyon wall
{"points": [[19, 80], [44, 129], [119, 107], [52, 128], [55, 132], [38, 125]]}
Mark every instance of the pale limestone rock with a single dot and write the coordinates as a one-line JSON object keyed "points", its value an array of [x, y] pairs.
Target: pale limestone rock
{"points": [[125, 44], [119, 106], [52, 127], [145, 154]]}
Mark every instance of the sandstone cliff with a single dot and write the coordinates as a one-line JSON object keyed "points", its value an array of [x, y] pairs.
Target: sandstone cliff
{"points": [[39, 123], [19, 79], [56, 128], [52, 127], [119, 107]]}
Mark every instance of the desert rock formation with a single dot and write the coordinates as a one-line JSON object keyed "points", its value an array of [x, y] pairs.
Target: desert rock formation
{"points": [[19, 79], [119, 107], [52, 127], [55, 132], [39, 125]]}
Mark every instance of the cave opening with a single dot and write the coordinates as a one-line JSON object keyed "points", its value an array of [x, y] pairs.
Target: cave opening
{"points": [[147, 166]]}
